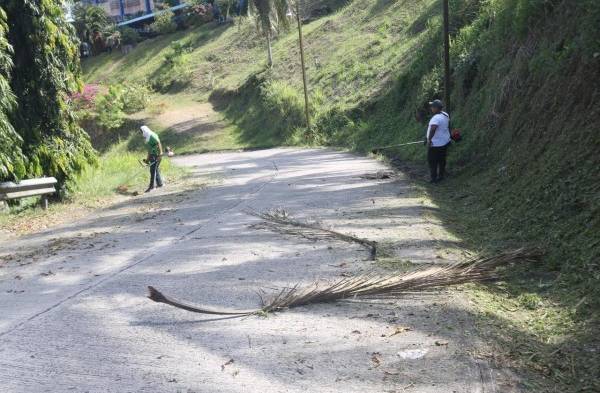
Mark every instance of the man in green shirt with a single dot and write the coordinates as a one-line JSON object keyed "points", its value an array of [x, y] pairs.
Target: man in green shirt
{"points": [[155, 152]]}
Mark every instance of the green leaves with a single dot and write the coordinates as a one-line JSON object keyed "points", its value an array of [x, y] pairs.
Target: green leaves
{"points": [[11, 157], [110, 108], [34, 115], [163, 22], [91, 22]]}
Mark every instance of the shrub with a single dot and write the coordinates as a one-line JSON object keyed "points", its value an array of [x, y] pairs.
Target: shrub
{"points": [[198, 13], [129, 36], [178, 50], [284, 103], [176, 70], [85, 99], [163, 23], [110, 108], [134, 97], [333, 127]]}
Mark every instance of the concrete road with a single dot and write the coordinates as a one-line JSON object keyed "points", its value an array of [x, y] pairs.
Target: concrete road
{"points": [[74, 317]]}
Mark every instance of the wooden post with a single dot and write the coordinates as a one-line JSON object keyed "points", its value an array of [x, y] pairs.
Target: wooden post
{"points": [[306, 111], [446, 55]]}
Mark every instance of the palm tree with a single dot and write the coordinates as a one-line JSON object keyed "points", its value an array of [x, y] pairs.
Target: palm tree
{"points": [[91, 23], [271, 15]]}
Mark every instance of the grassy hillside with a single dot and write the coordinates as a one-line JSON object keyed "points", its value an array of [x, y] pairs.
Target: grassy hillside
{"points": [[525, 94]]}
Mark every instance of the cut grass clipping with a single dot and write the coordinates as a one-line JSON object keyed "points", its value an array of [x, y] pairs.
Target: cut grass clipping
{"points": [[371, 285]]}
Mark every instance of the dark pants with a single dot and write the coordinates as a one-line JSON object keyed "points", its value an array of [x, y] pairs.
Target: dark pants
{"points": [[155, 172], [436, 156]]}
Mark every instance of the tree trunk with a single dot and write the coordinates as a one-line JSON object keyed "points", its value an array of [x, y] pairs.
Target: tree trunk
{"points": [[269, 51]]}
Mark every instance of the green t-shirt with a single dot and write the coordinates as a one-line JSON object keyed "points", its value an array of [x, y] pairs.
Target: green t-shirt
{"points": [[152, 144]]}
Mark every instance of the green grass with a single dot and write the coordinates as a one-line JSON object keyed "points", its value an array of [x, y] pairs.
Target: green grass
{"points": [[211, 132], [118, 171], [542, 318], [526, 173], [211, 45]]}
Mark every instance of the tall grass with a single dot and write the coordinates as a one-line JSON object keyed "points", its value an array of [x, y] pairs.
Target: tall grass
{"points": [[118, 171]]}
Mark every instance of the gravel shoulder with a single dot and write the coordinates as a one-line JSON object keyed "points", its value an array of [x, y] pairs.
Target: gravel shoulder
{"points": [[74, 316]]}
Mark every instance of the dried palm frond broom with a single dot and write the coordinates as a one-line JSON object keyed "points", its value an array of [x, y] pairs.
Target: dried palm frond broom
{"points": [[278, 220], [372, 285]]}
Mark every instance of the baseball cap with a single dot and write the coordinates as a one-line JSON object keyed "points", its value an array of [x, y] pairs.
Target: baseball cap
{"points": [[437, 104]]}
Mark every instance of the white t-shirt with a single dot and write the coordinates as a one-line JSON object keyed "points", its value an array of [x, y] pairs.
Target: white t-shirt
{"points": [[442, 134]]}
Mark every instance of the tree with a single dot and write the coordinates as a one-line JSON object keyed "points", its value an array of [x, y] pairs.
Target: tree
{"points": [[110, 108], [46, 70], [271, 16], [11, 156], [92, 24]]}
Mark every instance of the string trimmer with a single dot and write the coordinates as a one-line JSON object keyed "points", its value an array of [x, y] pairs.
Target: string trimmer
{"points": [[375, 150], [168, 152]]}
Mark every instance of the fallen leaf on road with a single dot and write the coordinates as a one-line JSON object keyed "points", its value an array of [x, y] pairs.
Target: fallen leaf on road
{"points": [[439, 343], [375, 359], [400, 329], [356, 331], [227, 363], [390, 372]]}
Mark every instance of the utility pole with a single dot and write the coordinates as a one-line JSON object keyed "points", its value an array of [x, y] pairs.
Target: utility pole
{"points": [[446, 55], [306, 111]]}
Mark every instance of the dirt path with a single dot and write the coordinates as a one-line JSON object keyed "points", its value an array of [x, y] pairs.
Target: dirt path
{"points": [[74, 317]]}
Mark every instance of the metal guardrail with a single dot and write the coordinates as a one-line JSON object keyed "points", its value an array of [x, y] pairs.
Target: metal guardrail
{"points": [[28, 188]]}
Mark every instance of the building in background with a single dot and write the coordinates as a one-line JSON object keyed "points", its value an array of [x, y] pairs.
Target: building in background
{"points": [[122, 10]]}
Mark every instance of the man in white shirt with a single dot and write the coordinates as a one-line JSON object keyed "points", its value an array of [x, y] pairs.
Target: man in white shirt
{"points": [[438, 139]]}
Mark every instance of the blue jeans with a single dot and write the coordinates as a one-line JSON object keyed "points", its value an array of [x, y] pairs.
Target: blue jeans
{"points": [[155, 172]]}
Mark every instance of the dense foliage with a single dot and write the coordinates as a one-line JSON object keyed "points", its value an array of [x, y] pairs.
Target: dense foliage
{"points": [[46, 70], [93, 25], [121, 99], [163, 22], [11, 158], [129, 36]]}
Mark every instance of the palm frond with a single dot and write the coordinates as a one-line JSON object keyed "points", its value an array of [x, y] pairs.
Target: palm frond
{"points": [[373, 285], [278, 220]]}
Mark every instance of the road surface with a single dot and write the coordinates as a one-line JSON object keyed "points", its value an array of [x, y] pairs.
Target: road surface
{"points": [[74, 316]]}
